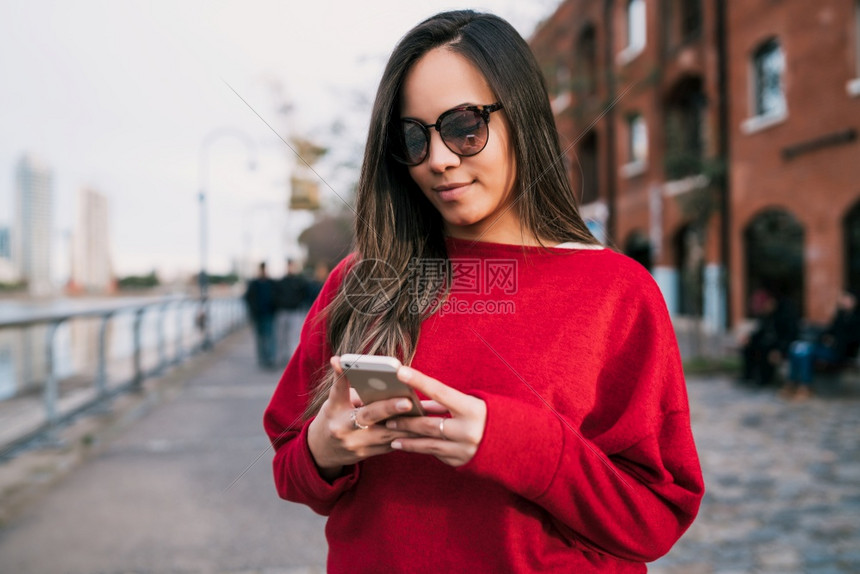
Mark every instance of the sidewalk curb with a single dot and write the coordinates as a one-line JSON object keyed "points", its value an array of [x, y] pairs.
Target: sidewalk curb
{"points": [[26, 476]]}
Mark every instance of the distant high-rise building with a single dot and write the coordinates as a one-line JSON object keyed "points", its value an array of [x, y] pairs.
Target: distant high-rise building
{"points": [[32, 233], [5, 247], [8, 274], [91, 270]]}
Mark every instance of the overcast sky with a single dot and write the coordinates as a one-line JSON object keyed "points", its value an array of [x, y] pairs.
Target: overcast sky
{"points": [[120, 95]]}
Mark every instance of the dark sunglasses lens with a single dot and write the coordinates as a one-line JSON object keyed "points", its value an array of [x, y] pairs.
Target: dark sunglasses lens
{"points": [[413, 143], [464, 132]]}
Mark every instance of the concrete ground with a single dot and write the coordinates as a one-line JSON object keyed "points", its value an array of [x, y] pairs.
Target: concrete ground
{"points": [[185, 486]]}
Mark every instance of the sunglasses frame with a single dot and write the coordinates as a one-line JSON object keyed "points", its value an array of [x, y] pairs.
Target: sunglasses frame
{"points": [[483, 111]]}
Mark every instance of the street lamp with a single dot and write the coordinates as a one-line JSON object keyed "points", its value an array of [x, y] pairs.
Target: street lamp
{"points": [[202, 174]]}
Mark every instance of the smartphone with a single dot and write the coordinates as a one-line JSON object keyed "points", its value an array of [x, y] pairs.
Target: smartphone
{"points": [[374, 378]]}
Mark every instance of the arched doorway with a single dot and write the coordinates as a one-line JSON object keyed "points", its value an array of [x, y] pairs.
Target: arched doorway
{"points": [[851, 230], [689, 248], [773, 248], [638, 248]]}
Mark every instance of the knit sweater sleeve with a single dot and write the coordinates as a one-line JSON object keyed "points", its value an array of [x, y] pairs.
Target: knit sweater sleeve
{"points": [[297, 477], [624, 479]]}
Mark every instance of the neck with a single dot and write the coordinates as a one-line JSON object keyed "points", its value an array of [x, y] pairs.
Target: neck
{"points": [[507, 229], [503, 236]]}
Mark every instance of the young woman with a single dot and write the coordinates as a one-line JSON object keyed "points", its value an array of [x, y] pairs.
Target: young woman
{"points": [[557, 435]]}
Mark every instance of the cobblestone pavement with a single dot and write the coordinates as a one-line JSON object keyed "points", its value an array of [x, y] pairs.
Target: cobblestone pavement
{"points": [[782, 484]]}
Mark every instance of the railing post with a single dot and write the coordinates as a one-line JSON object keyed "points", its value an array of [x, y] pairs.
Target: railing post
{"points": [[137, 379], [52, 391], [101, 368], [162, 353], [212, 315], [205, 311], [179, 316]]}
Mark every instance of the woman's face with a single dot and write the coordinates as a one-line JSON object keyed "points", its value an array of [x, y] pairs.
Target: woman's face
{"points": [[474, 194]]}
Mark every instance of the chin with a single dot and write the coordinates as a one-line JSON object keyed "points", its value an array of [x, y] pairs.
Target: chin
{"points": [[461, 223]]}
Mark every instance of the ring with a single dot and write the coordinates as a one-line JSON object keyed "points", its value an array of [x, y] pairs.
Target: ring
{"points": [[355, 424], [442, 428]]}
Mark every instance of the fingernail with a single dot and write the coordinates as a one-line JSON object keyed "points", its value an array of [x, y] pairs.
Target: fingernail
{"points": [[391, 424], [396, 445], [404, 405], [405, 373]]}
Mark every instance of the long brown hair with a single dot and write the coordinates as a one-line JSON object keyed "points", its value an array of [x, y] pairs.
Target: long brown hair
{"points": [[396, 226]]}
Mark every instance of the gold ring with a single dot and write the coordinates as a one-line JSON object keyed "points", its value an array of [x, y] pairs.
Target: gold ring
{"points": [[442, 428], [357, 425]]}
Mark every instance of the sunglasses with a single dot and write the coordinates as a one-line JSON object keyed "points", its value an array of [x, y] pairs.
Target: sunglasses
{"points": [[464, 131]]}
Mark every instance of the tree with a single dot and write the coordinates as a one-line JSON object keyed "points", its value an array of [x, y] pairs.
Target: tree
{"points": [[328, 240]]}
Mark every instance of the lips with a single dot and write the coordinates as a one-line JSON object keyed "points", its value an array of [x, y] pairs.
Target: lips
{"points": [[450, 186], [452, 191]]}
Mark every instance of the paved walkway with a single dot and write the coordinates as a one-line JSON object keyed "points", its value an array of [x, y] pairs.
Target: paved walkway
{"points": [[188, 489]]}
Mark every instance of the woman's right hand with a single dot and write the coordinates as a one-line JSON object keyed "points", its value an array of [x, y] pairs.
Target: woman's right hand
{"points": [[345, 432]]}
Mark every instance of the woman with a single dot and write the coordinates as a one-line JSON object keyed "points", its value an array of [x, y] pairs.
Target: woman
{"points": [[557, 436]]}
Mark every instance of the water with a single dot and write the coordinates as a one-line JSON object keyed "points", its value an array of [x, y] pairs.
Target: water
{"points": [[23, 350]]}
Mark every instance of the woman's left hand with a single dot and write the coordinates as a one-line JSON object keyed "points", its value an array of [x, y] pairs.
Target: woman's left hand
{"points": [[454, 440]]}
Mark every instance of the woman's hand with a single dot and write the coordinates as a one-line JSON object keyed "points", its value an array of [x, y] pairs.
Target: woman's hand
{"points": [[344, 432], [454, 440]]}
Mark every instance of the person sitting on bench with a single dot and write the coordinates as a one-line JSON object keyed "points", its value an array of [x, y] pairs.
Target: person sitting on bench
{"points": [[836, 343]]}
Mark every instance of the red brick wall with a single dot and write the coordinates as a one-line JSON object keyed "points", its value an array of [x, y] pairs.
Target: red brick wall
{"points": [[818, 187]]}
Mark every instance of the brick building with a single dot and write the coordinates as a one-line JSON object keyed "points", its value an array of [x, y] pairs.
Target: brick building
{"points": [[713, 142]]}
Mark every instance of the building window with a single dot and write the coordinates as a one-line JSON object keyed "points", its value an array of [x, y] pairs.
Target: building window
{"points": [[690, 13], [854, 83], [682, 23], [684, 128], [562, 78], [768, 69], [857, 37], [588, 165], [637, 138], [586, 57], [637, 146], [635, 24]]}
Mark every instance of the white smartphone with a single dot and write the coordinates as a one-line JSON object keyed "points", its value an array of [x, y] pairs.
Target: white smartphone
{"points": [[374, 378]]}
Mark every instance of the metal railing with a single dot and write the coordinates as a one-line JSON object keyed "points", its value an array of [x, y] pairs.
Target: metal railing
{"points": [[26, 419]]}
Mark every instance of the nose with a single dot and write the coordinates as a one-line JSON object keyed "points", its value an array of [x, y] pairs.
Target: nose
{"points": [[439, 157]]}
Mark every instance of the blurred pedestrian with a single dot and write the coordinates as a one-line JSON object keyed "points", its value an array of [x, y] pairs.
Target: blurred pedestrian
{"points": [[315, 283], [767, 346], [830, 349], [260, 300], [557, 436], [291, 301]]}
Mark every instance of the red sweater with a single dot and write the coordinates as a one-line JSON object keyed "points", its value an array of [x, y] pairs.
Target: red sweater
{"points": [[587, 463]]}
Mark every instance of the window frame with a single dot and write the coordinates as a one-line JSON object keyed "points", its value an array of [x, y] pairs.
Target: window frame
{"points": [[853, 85], [634, 26], [637, 163], [586, 58], [767, 49], [760, 118], [632, 49]]}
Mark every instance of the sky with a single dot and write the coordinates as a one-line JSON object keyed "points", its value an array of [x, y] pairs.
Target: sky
{"points": [[147, 102]]}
